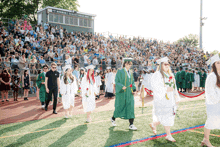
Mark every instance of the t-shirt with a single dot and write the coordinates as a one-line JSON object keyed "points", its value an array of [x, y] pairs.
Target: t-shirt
{"points": [[52, 79], [85, 59]]}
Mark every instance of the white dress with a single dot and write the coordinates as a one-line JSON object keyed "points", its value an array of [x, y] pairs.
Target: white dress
{"points": [[212, 93], [197, 80], [91, 90], [110, 83], [68, 91], [163, 109], [98, 82]]}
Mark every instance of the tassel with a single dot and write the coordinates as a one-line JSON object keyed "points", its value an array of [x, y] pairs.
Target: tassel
{"points": [[167, 97]]}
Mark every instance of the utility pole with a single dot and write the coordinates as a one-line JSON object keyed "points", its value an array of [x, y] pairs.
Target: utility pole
{"points": [[201, 25]]}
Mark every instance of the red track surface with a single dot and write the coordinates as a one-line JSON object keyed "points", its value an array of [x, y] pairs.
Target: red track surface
{"points": [[20, 111]]}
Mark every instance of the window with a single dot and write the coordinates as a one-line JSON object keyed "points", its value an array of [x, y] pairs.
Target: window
{"points": [[67, 20], [50, 17], [55, 18], [71, 20], [80, 22], [85, 22], [90, 23], [60, 18], [75, 21]]}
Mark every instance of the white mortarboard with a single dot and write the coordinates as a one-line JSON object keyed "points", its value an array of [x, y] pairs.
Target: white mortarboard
{"points": [[66, 67], [90, 67], [108, 67], [214, 59], [164, 59], [82, 68], [97, 70]]}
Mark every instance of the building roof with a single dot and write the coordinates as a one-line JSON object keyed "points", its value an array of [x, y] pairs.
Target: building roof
{"points": [[49, 7]]}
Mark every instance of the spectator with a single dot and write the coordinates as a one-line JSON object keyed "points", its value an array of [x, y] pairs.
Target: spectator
{"points": [[5, 80], [26, 83], [15, 84], [22, 62]]}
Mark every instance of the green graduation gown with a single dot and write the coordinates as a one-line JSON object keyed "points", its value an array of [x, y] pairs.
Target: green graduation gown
{"points": [[202, 79], [177, 77], [182, 79], [200, 75], [188, 81], [42, 94], [191, 79], [124, 100]]}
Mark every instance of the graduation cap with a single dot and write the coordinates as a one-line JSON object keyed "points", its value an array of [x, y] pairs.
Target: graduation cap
{"points": [[196, 68], [127, 59], [214, 59], [164, 59], [65, 68], [97, 71], [82, 68], [90, 67], [190, 69], [108, 68], [186, 68]]}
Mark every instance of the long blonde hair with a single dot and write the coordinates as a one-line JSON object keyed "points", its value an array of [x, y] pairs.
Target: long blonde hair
{"points": [[65, 77], [159, 68]]}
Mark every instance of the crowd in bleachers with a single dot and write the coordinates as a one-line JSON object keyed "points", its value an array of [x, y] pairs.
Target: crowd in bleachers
{"points": [[27, 47]]}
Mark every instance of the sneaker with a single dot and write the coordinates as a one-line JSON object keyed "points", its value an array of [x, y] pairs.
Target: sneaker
{"points": [[132, 127], [66, 116], [42, 107], [113, 122]]}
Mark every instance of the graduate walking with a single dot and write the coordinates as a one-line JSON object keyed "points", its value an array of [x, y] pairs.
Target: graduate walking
{"points": [[41, 85], [68, 89], [212, 93], [89, 91], [124, 100], [166, 98]]}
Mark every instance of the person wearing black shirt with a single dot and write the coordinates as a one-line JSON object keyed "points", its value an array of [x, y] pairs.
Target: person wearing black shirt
{"points": [[52, 84]]}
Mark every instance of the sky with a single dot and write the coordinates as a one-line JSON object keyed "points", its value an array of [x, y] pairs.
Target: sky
{"points": [[166, 20]]}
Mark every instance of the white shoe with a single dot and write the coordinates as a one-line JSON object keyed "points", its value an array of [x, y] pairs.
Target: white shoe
{"points": [[66, 116], [88, 121], [170, 138], [113, 122], [132, 127], [42, 107]]}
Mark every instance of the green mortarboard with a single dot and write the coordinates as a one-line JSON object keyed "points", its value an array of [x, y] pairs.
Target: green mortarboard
{"points": [[186, 68], [190, 69], [196, 68], [127, 59]]}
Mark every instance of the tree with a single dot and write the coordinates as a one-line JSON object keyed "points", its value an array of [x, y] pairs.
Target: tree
{"points": [[190, 40], [64, 4], [215, 52], [18, 8]]}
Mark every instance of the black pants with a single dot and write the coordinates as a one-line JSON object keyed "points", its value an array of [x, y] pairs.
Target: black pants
{"points": [[53, 91], [42, 103], [131, 121]]}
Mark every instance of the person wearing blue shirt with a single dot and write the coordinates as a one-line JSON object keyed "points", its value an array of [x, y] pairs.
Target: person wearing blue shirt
{"points": [[76, 72], [41, 60]]}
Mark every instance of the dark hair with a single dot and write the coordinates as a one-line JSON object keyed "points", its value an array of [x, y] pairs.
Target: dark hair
{"points": [[25, 72], [216, 73], [75, 66], [126, 63], [16, 69], [46, 66]]}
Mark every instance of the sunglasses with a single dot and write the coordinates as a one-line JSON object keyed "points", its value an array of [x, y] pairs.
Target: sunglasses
{"points": [[45, 68], [54, 67]]}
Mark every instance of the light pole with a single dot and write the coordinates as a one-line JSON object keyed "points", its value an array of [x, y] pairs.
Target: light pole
{"points": [[201, 24]]}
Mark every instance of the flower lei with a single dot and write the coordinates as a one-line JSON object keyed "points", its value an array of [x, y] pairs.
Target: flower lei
{"points": [[130, 78], [170, 84]]}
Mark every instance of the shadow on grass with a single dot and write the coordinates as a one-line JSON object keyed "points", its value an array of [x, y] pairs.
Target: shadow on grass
{"points": [[71, 136], [116, 137], [158, 143], [17, 126], [29, 137]]}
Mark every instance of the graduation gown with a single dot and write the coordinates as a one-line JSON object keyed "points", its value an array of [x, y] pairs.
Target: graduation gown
{"points": [[183, 79], [163, 109], [191, 79], [188, 81], [124, 100], [203, 78], [200, 75], [98, 82], [212, 93], [110, 82], [42, 94], [68, 91], [197, 80], [177, 77], [91, 90]]}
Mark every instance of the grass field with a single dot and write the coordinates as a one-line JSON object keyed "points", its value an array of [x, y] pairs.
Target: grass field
{"points": [[61, 132]]}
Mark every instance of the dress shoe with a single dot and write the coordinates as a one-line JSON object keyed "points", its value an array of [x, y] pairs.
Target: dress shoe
{"points": [[45, 108]]}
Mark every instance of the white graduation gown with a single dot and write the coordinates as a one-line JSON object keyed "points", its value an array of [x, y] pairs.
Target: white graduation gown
{"points": [[110, 83], [162, 108], [68, 91], [98, 82], [88, 102], [212, 93], [145, 83], [197, 80], [106, 80]]}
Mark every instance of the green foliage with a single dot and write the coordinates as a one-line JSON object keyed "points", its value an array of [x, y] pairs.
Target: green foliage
{"points": [[190, 40], [215, 52], [18, 8]]}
